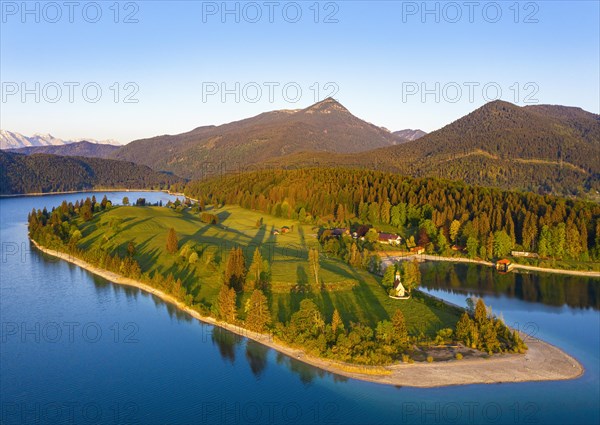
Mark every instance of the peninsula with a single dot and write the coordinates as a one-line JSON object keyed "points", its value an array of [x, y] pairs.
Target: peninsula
{"points": [[317, 308]]}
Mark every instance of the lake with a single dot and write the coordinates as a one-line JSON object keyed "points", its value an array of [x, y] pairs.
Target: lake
{"points": [[76, 348]]}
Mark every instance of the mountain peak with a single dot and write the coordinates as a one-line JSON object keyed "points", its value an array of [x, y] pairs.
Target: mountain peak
{"points": [[409, 135], [499, 105], [14, 140], [326, 106]]}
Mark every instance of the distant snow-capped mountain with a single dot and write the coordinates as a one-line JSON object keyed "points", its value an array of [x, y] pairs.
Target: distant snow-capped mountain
{"points": [[409, 135], [14, 140]]}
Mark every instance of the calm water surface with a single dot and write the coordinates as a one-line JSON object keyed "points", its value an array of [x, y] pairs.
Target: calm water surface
{"points": [[76, 348]]}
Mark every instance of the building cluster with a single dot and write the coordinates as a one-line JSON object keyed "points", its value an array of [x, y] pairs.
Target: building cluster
{"points": [[387, 238]]}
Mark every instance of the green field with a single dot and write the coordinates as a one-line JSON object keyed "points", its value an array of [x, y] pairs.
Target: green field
{"points": [[357, 294]]}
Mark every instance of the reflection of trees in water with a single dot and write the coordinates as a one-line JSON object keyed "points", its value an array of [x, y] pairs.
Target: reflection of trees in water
{"points": [[103, 287], [175, 312], [227, 342], [305, 372], [172, 310], [257, 357], [546, 288]]}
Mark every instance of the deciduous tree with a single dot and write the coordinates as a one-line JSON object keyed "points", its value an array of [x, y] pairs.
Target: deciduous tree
{"points": [[454, 230]]}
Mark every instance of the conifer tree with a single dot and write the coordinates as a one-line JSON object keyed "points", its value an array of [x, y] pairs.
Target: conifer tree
{"points": [[481, 315], [336, 322], [463, 328], [258, 314], [235, 269], [227, 307], [172, 241], [256, 279], [400, 329]]}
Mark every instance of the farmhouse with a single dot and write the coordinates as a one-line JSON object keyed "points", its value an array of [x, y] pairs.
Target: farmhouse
{"points": [[285, 229], [417, 250], [390, 239]]}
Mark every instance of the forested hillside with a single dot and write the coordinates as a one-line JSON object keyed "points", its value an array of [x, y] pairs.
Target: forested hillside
{"points": [[42, 173], [506, 131], [85, 149], [487, 223], [543, 148], [326, 126]]}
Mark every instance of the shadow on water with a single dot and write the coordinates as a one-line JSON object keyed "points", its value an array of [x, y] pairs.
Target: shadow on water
{"points": [[305, 372], [226, 342], [257, 356]]}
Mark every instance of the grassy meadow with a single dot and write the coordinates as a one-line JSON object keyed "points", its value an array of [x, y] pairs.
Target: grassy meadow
{"points": [[357, 294]]}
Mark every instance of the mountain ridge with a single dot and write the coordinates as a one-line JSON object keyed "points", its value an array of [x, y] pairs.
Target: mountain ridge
{"points": [[83, 149], [14, 140], [43, 173], [541, 148], [326, 126], [409, 135]]}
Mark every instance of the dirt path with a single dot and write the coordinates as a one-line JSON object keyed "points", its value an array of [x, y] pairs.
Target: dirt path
{"points": [[559, 271], [388, 258], [543, 362]]}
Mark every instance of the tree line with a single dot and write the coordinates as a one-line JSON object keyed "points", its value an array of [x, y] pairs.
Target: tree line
{"points": [[434, 213]]}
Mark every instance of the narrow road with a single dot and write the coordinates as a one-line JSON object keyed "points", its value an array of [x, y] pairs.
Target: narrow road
{"points": [[387, 259]]}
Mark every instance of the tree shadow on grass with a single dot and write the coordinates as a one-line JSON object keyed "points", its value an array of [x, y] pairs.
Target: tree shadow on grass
{"points": [[302, 236], [131, 225], [375, 311], [327, 306], [301, 279], [223, 216], [194, 237], [146, 257], [334, 267], [257, 240]]}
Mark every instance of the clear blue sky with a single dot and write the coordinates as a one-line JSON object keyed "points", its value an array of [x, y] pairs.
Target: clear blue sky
{"points": [[377, 55]]}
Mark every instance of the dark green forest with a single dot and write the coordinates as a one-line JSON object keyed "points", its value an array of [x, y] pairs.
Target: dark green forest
{"points": [[483, 222], [42, 173]]}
